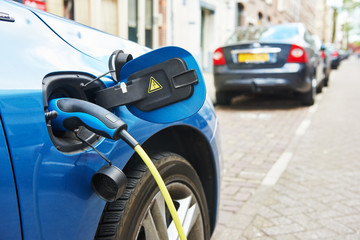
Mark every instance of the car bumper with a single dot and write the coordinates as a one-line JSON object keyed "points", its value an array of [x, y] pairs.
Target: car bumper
{"points": [[290, 77], [335, 62]]}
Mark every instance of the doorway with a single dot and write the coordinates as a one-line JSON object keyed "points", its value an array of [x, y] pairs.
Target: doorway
{"points": [[207, 33]]}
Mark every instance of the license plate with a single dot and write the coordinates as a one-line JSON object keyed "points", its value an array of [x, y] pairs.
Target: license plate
{"points": [[253, 58]]}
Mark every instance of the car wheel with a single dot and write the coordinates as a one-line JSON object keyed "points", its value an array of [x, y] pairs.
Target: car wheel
{"points": [[308, 98], [141, 212], [334, 66], [222, 98], [320, 87], [326, 81]]}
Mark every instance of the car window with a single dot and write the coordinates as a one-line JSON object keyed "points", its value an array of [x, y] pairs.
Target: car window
{"points": [[276, 32], [317, 42], [308, 38]]}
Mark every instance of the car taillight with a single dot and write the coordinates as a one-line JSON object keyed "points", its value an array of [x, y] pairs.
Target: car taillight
{"points": [[335, 53], [297, 55], [323, 56], [218, 57]]}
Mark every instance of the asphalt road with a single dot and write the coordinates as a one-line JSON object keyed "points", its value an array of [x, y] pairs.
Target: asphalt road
{"points": [[289, 171]]}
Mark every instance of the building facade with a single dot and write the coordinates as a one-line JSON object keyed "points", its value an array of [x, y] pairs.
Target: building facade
{"points": [[137, 20], [324, 22], [200, 26], [196, 25]]}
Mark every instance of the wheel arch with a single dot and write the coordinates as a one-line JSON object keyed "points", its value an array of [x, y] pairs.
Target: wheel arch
{"points": [[191, 144]]}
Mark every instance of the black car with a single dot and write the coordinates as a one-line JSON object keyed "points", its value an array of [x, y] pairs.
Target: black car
{"points": [[268, 59], [326, 57], [333, 51]]}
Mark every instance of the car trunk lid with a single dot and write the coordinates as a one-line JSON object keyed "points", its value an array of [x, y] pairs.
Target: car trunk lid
{"points": [[256, 55]]}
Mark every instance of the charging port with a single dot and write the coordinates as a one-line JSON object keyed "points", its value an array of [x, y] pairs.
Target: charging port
{"points": [[68, 84]]}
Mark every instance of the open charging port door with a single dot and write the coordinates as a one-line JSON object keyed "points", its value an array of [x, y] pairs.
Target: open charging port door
{"points": [[162, 86]]}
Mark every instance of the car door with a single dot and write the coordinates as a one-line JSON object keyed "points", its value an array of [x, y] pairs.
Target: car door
{"points": [[53, 189], [9, 211], [314, 58]]}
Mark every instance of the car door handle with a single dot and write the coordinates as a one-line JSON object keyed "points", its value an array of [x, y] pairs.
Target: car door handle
{"points": [[6, 17]]}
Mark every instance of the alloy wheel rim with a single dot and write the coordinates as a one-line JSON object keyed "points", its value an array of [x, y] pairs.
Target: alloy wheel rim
{"points": [[157, 222]]}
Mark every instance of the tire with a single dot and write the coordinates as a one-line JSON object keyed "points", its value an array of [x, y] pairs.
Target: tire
{"points": [[308, 98], [222, 98], [326, 80], [141, 212], [320, 87]]}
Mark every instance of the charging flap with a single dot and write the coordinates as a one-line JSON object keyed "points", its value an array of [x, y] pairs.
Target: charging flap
{"points": [[168, 82]]}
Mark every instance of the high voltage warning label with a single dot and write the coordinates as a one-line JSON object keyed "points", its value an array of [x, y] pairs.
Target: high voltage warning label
{"points": [[154, 85]]}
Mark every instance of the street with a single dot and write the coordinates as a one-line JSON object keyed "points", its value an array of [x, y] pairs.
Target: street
{"points": [[289, 171]]}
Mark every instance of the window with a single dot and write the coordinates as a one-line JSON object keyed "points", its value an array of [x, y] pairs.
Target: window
{"points": [[240, 11], [69, 9], [148, 23], [276, 32], [132, 20]]}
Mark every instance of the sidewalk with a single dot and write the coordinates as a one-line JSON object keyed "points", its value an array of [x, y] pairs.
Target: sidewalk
{"points": [[318, 194]]}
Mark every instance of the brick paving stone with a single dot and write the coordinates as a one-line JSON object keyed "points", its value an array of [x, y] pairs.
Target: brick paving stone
{"points": [[281, 221], [229, 233], [268, 212], [252, 175], [305, 221], [313, 203], [288, 211], [229, 208], [283, 229], [261, 222], [242, 196], [286, 237], [336, 226], [328, 213], [253, 232], [232, 203], [316, 234], [224, 217], [341, 207], [288, 201], [241, 223], [351, 237], [347, 220]]}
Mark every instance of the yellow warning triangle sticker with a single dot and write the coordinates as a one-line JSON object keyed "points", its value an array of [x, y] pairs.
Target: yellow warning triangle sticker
{"points": [[154, 85]]}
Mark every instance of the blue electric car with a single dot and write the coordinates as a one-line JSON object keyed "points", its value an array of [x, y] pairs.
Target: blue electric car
{"points": [[63, 86]]}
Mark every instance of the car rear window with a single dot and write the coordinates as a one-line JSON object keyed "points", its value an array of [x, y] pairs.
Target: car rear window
{"points": [[271, 33]]}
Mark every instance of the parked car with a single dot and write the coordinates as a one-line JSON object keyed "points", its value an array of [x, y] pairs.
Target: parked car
{"points": [[268, 59], [46, 173], [332, 50], [344, 54], [326, 57]]}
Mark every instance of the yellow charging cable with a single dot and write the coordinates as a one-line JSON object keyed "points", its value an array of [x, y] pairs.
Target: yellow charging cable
{"points": [[124, 135], [163, 190]]}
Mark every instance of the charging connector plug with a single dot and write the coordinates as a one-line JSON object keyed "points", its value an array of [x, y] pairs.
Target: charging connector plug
{"points": [[73, 113]]}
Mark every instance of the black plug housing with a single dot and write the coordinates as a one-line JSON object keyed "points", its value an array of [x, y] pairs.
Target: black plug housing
{"points": [[152, 88]]}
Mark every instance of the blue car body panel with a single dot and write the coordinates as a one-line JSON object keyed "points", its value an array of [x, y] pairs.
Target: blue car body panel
{"points": [[54, 194], [9, 216], [88, 40]]}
